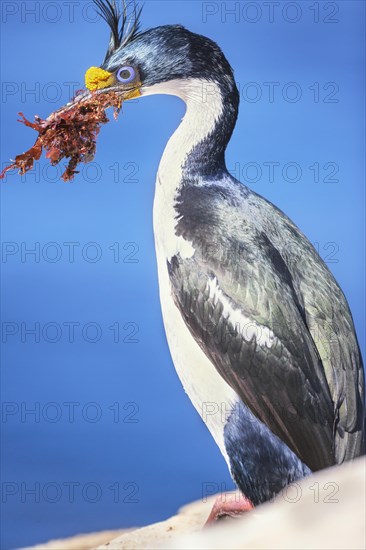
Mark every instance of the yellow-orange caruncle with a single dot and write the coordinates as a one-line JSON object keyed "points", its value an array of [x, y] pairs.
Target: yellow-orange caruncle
{"points": [[97, 79]]}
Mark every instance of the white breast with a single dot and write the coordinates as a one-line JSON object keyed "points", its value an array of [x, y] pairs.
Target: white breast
{"points": [[213, 398]]}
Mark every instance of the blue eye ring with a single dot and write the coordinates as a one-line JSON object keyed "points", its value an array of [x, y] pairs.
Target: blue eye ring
{"points": [[126, 74]]}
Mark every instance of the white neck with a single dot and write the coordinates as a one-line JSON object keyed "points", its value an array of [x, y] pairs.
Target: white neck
{"points": [[204, 107]]}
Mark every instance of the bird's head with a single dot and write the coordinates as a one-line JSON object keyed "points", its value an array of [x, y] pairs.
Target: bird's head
{"points": [[159, 60]]}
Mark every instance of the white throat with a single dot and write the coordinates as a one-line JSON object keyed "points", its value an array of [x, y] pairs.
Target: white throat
{"points": [[204, 107]]}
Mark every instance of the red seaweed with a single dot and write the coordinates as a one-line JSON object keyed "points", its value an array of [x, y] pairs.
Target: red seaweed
{"points": [[70, 132]]}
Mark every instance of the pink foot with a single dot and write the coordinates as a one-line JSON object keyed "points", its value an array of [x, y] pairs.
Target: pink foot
{"points": [[229, 504]]}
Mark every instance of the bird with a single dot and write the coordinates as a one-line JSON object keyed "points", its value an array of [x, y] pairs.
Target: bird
{"points": [[259, 331]]}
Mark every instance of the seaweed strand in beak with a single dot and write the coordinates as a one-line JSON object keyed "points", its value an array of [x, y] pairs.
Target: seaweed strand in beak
{"points": [[70, 132]]}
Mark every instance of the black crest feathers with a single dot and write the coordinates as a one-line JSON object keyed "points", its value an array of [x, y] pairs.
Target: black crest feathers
{"points": [[123, 22]]}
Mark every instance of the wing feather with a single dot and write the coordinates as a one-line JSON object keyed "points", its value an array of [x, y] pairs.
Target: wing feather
{"points": [[263, 316]]}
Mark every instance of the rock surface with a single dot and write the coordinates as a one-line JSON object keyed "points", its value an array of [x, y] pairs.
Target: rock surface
{"points": [[79, 542], [189, 519], [325, 511]]}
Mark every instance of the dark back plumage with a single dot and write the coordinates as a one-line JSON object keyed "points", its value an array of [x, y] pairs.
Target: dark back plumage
{"points": [[307, 385]]}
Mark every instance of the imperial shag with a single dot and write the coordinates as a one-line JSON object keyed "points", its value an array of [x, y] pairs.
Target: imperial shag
{"points": [[255, 321]]}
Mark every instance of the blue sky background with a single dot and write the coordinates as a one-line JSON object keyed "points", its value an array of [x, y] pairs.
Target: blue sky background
{"points": [[165, 458]]}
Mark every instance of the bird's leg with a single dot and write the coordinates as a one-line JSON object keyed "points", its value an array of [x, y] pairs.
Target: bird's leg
{"points": [[229, 505]]}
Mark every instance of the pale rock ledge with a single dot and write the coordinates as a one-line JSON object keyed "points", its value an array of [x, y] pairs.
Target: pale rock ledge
{"points": [[326, 511]]}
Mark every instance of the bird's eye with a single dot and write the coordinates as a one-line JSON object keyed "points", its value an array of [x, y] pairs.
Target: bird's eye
{"points": [[126, 74]]}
